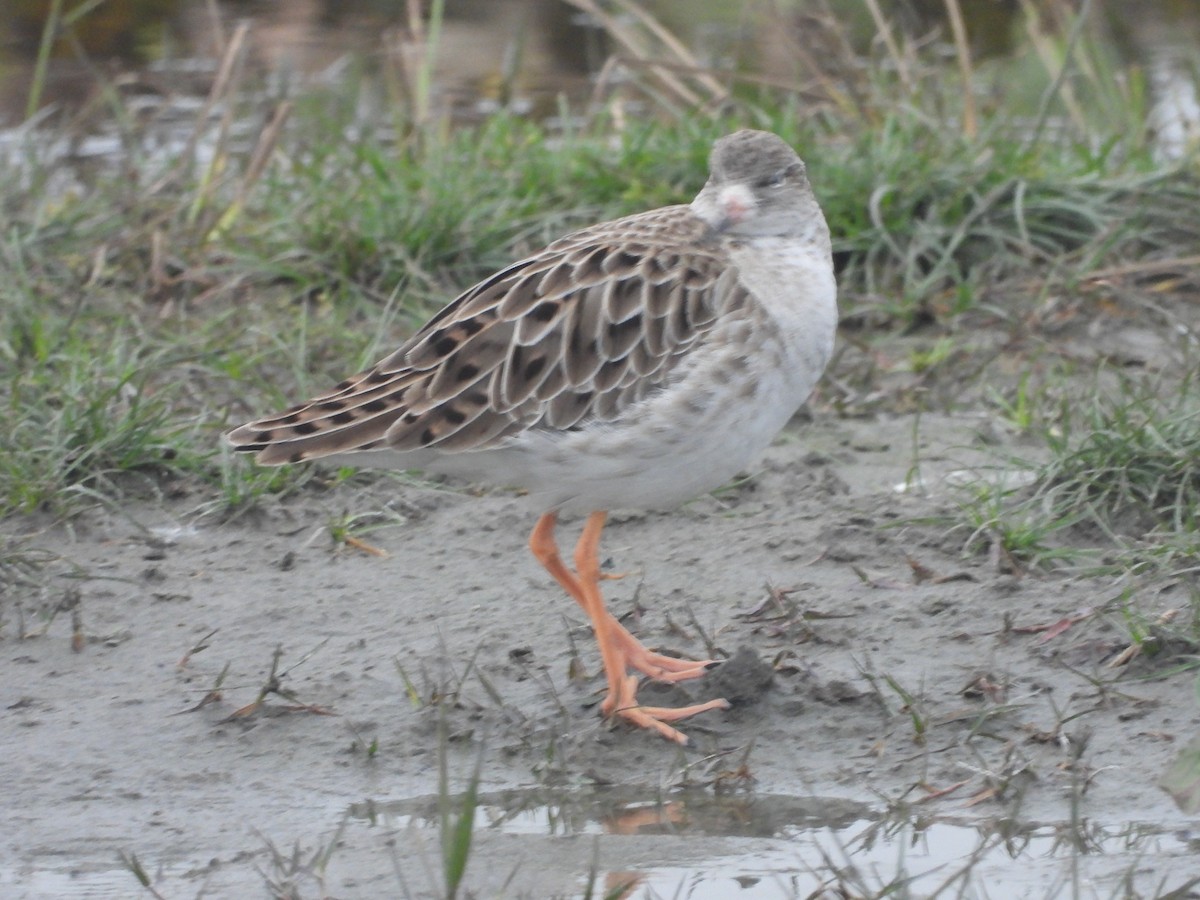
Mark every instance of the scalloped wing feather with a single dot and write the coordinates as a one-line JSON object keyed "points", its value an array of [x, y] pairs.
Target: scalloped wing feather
{"points": [[578, 332]]}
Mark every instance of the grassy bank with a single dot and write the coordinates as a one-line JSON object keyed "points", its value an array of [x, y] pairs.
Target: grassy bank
{"points": [[151, 298]]}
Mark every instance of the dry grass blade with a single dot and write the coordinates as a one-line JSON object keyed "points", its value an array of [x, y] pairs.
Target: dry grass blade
{"points": [[421, 49], [223, 85], [267, 141], [1149, 266], [38, 82], [687, 59], [1044, 46], [708, 91], [823, 51], [889, 41], [963, 52]]}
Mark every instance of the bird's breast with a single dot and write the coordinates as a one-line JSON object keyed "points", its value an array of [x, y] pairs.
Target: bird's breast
{"points": [[793, 283]]}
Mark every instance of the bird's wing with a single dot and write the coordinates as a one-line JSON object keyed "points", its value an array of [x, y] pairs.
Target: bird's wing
{"points": [[578, 332]]}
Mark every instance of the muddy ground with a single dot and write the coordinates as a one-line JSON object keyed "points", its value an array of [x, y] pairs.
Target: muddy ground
{"points": [[884, 680]]}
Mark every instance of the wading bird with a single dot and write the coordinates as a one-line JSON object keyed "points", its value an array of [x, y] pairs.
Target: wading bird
{"points": [[632, 364]]}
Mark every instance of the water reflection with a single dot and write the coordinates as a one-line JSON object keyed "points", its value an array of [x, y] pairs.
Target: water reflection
{"points": [[642, 845], [773, 846], [626, 812], [525, 53], [489, 52], [1164, 38]]}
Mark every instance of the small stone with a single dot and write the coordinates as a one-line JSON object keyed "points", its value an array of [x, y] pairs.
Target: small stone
{"points": [[742, 679]]}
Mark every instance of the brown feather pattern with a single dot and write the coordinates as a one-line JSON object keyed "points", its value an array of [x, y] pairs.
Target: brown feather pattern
{"points": [[581, 331]]}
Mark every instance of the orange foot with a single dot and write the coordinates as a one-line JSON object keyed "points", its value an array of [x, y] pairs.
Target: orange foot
{"points": [[624, 704], [619, 649], [657, 665]]}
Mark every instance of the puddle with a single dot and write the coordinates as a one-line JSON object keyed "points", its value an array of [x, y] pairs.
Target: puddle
{"points": [[624, 812], [524, 55], [858, 857], [692, 844], [775, 846], [84, 882]]}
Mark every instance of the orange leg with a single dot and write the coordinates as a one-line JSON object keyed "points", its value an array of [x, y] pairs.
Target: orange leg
{"points": [[618, 648], [656, 665]]}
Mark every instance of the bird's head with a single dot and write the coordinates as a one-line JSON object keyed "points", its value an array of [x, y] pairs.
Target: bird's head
{"points": [[757, 186]]}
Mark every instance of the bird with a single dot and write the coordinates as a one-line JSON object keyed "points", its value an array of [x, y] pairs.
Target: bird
{"points": [[632, 364]]}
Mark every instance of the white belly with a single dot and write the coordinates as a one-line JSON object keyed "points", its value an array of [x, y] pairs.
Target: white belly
{"points": [[671, 452]]}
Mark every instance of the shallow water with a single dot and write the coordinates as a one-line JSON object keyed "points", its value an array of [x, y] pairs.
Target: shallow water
{"points": [[697, 845], [810, 843], [531, 56]]}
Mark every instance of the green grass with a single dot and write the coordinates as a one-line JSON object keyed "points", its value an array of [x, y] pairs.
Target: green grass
{"points": [[1135, 456], [1118, 486], [1113, 496]]}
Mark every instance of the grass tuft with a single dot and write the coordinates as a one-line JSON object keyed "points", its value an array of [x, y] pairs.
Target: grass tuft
{"points": [[1130, 461], [1118, 488]]}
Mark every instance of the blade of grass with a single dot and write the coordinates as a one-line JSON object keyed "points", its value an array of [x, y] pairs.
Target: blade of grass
{"points": [[457, 826]]}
